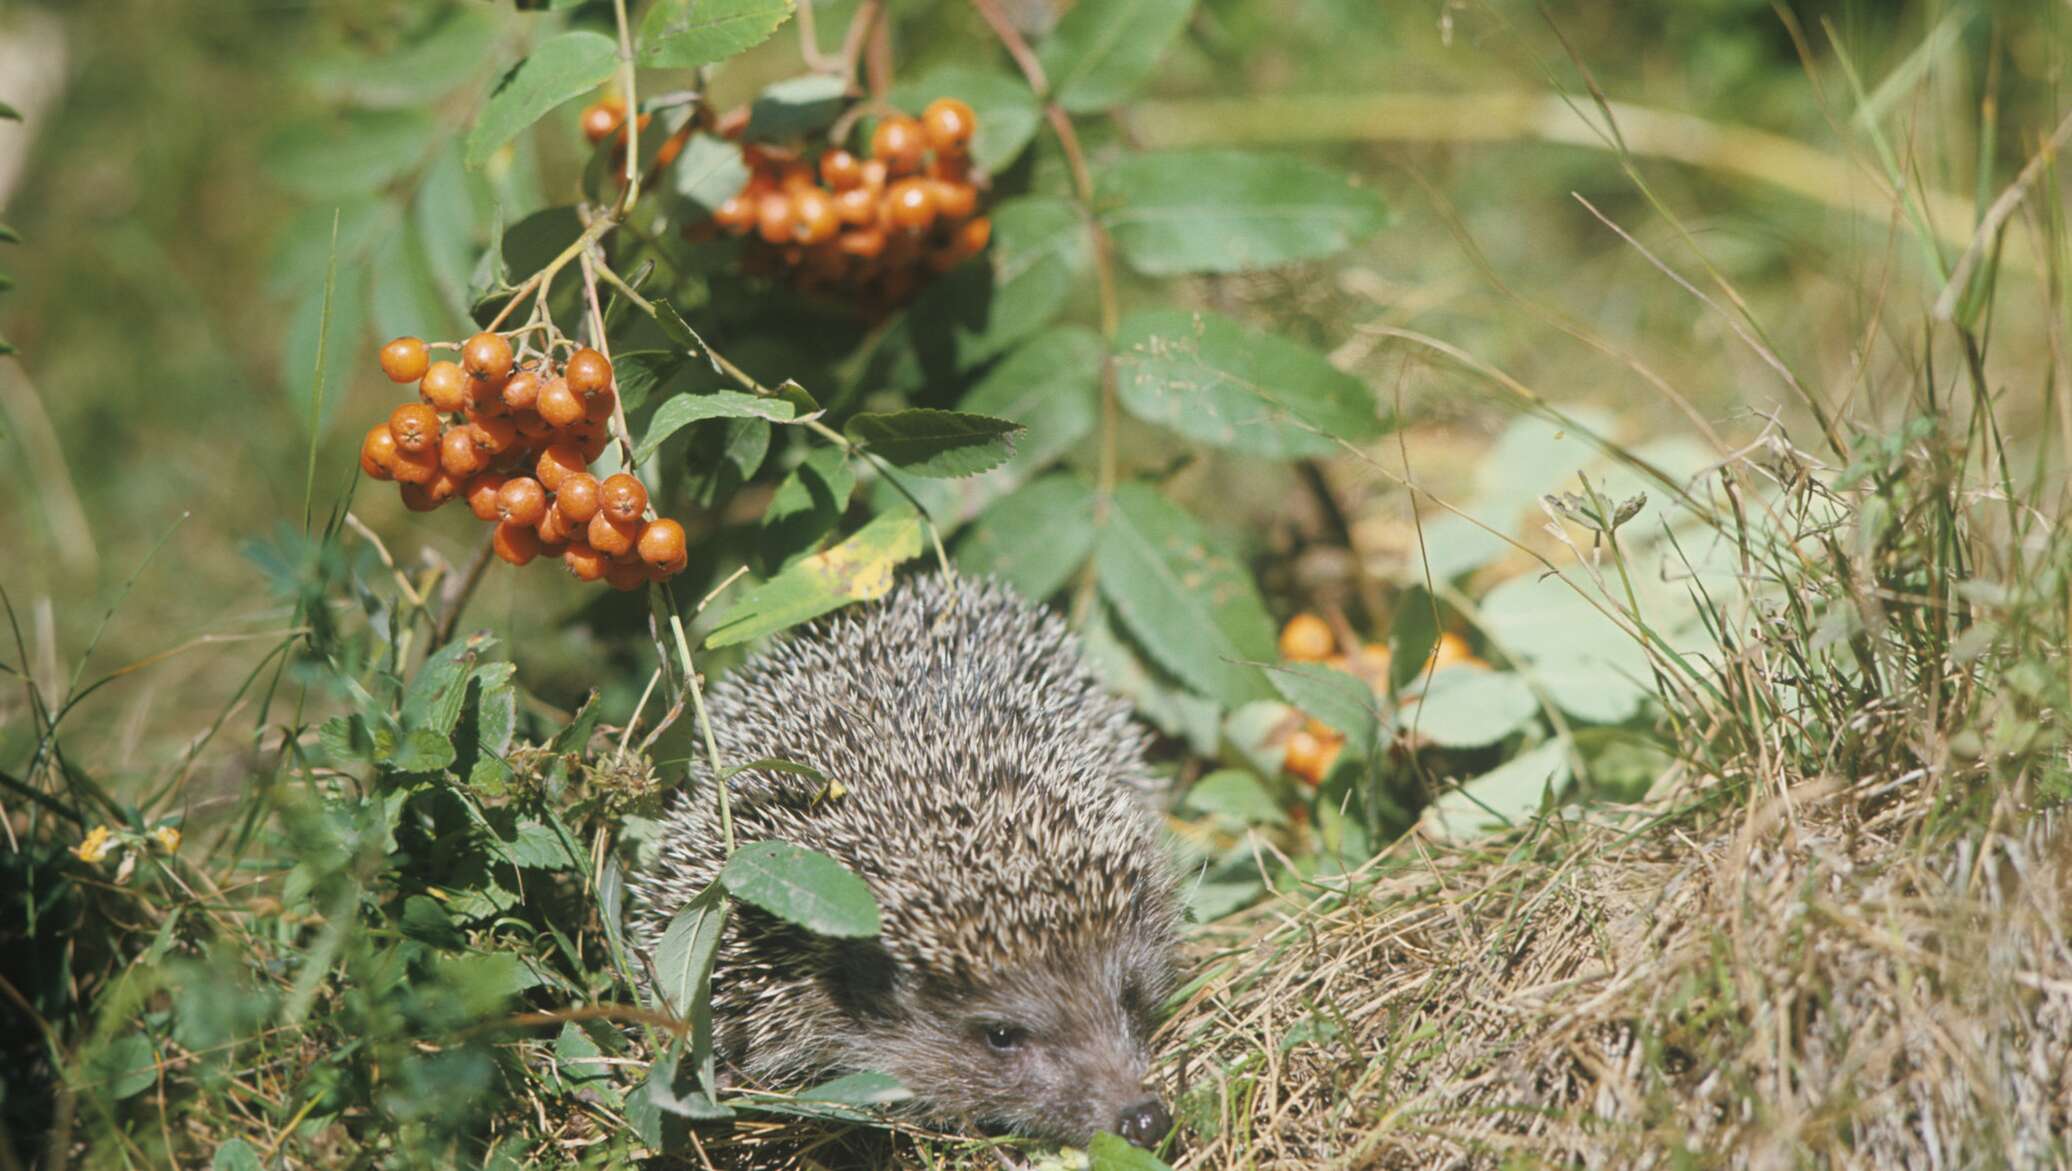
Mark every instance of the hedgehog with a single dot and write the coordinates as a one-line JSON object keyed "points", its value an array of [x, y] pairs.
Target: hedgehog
{"points": [[994, 798]]}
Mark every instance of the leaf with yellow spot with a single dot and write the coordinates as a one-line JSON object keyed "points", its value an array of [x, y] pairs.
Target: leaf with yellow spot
{"points": [[859, 569]]}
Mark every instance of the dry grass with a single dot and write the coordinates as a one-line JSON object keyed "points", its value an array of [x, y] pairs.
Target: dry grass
{"points": [[1802, 981]]}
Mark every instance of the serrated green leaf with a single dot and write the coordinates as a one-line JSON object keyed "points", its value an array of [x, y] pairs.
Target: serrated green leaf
{"points": [[543, 846], [795, 107], [802, 886], [431, 61], [1501, 797], [1035, 538], [1467, 707], [973, 314], [358, 150], [579, 1060], [638, 374], [1101, 53], [1332, 696], [235, 1155], [1008, 113], [707, 173], [722, 456], [564, 67], [419, 750], [929, 442], [1230, 211], [1211, 379], [866, 1088], [433, 699], [1238, 795], [685, 409], [685, 34], [1189, 602], [1051, 384], [684, 954], [1108, 1152], [807, 505], [857, 570], [125, 1067], [427, 922]]}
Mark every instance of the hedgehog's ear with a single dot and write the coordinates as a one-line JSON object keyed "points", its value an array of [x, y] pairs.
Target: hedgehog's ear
{"points": [[863, 978]]}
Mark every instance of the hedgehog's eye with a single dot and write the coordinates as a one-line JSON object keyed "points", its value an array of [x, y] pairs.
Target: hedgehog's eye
{"points": [[1005, 1038]]}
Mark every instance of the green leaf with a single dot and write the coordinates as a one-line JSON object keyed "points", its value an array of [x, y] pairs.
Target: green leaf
{"points": [[1189, 601], [1590, 666], [802, 886], [1501, 797], [639, 373], [543, 846], [235, 1155], [930, 442], [685, 409], [723, 455], [9, 235], [419, 750], [1238, 795], [407, 299], [1050, 384], [434, 697], [1230, 211], [684, 954], [562, 68], [974, 313], [857, 570], [9, 113], [708, 172], [1467, 707], [342, 334], [1108, 1152], [807, 505], [1341, 700], [1211, 379], [1036, 538], [685, 34], [127, 1066], [866, 1088], [1008, 113], [427, 922], [430, 61], [1100, 53], [358, 150], [795, 107]]}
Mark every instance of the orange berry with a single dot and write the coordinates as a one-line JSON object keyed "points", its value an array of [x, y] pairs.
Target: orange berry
{"points": [[875, 176], [558, 462], [736, 214], [457, 453], [1452, 650], [974, 235], [405, 359], [814, 217], [865, 243], [586, 563], [910, 204], [416, 467], [480, 493], [1309, 756], [588, 373], [521, 391], [576, 498], [530, 425], [601, 118], [949, 124], [794, 177], [840, 170], [626, 575], [773, 217], [415, 427], [514, 543], [487, 355], [1307, 639], [554, 528], [592, 444], [613, 538], [671, 146], [559, 404], [431, 494], [662, 544], [486, 399], [953, 200], [445, 387], [494, 436], [521, 500], [378, 453], [623, 497], [899, 143], [857, 207]]}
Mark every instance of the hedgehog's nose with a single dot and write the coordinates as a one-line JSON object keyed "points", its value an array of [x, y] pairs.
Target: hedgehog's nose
{"points": [[1143, 1124]]}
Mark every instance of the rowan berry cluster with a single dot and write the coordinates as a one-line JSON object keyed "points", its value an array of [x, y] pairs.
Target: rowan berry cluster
{"points": [[873, 229], [515, 439]]}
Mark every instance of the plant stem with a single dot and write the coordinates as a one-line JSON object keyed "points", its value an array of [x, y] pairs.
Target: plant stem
{"points": [[719, 779]]}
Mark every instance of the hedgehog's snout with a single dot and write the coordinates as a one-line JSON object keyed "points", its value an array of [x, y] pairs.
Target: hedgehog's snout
{"points": [[1144, 1124]]}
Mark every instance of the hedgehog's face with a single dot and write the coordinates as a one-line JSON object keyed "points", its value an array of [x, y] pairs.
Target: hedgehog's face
{"points": [[1055, 1051]]}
